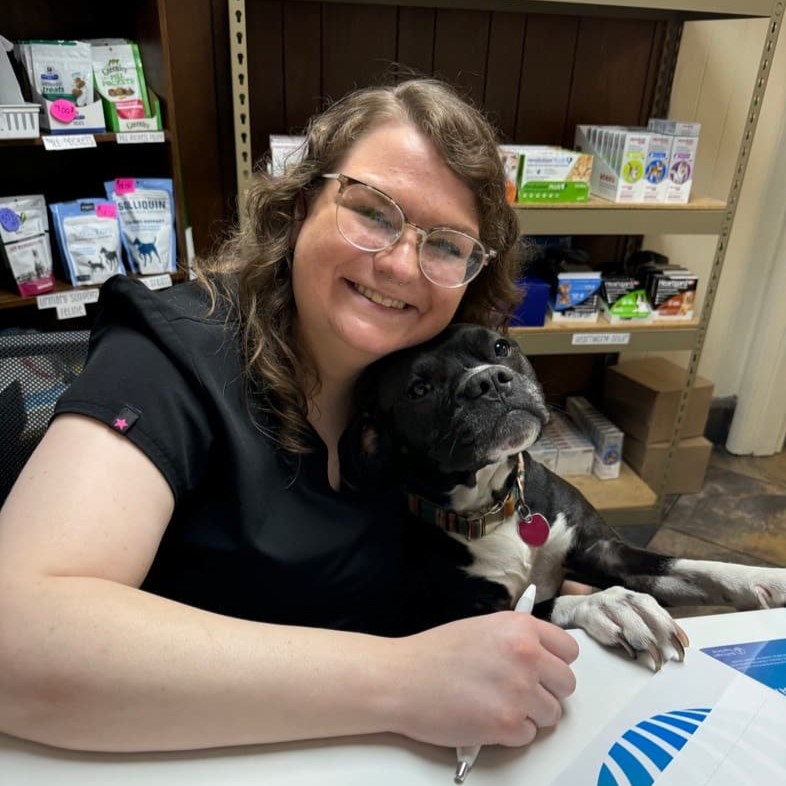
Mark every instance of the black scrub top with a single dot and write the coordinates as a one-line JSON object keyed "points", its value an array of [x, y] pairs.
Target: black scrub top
{"points": [[256, 533]]}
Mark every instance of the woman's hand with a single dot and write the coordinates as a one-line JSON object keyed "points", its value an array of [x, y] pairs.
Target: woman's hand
{"points": [[494, 679]]}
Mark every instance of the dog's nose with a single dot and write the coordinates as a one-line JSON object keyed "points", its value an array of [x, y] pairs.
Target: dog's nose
{"points": [[489, 381]]}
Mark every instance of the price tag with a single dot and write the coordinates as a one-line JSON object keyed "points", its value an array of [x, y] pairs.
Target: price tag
{"points": [[106, 210], [68, 141], [71, 311], [600, 339], [63, 111], [157, 282], [76, 297], [125, 185], [139, 137]]}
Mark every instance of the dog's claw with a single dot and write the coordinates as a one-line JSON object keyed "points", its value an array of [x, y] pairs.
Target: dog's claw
{"points": [[678, 646], [626, 646], [656, 656]]}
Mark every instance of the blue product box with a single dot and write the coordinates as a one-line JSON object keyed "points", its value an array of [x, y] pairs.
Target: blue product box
{"points": [[531, 312]]}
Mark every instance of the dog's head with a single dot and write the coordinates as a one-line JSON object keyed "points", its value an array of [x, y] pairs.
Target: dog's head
{"points": [[436, 414]]}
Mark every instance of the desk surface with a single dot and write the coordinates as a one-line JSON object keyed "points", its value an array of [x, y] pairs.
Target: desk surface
{"points": [[606, 681]]}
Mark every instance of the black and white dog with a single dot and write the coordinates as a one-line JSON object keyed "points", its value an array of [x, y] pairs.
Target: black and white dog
{"points": [[449, 423]]}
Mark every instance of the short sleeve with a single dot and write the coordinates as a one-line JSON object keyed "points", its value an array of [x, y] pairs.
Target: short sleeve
{"points": [[142, 377]]}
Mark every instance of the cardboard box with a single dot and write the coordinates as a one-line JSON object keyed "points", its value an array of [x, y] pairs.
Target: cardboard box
{"points": [[688, 465], [642, 396]]}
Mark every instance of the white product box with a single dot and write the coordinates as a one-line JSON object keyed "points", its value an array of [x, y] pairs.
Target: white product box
{"points": [[604, 435]]}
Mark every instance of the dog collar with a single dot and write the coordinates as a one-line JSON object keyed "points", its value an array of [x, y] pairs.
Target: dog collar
{"points": [[533, 528]]}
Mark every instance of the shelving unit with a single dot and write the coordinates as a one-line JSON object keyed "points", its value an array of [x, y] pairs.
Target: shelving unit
{"points": [[627, 500], [176, 44]]}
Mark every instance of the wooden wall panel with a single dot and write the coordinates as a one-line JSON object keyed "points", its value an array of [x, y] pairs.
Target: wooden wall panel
{"points": [[461, 41], [547, 74], [359, 42], [503, 71], [416, 39], [302, 63]]}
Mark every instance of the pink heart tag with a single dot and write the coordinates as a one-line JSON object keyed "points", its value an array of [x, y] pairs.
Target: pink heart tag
{"points": [[534, 530]]}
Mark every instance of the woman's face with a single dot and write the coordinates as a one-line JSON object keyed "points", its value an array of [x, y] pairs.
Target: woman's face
{"points": [[355, 306]]}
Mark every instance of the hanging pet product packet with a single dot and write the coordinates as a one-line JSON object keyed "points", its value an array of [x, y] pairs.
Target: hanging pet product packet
{"points": [[120, 81], [88, 235], [24, 244], [146, 211]]}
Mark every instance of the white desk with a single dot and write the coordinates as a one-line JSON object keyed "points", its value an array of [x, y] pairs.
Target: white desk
{"points": [[606, 680]]}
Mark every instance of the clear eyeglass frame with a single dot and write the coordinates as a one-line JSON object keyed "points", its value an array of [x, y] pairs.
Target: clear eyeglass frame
{"points": [[452, 259]]}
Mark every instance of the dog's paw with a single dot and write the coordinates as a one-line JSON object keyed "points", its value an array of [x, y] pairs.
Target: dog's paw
{"points": [[631, 620]]}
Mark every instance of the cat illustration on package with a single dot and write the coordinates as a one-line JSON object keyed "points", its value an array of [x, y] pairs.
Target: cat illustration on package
{"points": [[146, 212]]}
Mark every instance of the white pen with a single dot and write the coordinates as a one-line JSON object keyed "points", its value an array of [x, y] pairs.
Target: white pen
{"points": [[467, 754]]}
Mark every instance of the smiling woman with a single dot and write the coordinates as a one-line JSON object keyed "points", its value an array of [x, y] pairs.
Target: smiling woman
{"points": [[180, 565]]}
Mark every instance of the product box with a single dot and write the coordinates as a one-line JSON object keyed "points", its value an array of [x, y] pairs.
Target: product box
{"points": [[531, 312], [61, 81], [672, 294], [544, 451], [642, 396], [576, 296], [574, 451], [682, 158], [284, 150], [623, 299], [688, 464], [606, 438], [538, 174], [618, 173]]}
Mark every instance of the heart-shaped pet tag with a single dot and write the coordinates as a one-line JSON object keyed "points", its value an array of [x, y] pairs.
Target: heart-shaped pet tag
{"points": [[534, 529]]}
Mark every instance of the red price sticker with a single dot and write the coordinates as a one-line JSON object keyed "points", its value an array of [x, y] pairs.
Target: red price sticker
{"points": [[63, 111], [106, 210], [125, 185]]}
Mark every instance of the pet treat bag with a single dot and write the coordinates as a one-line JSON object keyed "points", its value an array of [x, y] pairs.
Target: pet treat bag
{"points": [[88, 234], [146, 211], [24, 240], [60, 70], [120, 81]]}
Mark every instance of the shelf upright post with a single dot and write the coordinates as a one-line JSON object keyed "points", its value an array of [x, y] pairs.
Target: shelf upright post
{"points": [[240, 100]]}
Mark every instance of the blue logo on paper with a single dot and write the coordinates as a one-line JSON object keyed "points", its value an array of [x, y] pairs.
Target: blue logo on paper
{"points": [[763, 661], [652, 743]]}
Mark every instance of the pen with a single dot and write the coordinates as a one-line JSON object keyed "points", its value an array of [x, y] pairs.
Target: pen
{"points": [[467, 754]]}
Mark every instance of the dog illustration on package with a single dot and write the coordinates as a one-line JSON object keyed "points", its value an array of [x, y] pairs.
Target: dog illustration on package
{"points": [[146, 212]]}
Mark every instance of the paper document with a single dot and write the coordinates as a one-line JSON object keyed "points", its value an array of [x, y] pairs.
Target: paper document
{"points": [[718, 719]]}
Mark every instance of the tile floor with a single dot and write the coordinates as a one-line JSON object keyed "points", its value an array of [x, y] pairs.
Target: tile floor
{"points": [[738, 516]]}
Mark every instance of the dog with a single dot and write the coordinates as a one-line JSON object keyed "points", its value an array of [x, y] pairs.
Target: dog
{"points": [[445, 428]]}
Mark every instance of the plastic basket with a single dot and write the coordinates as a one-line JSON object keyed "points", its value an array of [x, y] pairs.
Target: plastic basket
{"points": [[19, 121]]}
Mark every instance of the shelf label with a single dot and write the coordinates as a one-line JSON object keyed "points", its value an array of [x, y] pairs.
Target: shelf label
{"points": [[139, 137], [157, 282], [71, 311], [65, 299], [68, 141], [600, 339]]}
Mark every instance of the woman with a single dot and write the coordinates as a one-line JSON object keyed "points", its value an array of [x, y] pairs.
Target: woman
{"points": [[179, 567]]}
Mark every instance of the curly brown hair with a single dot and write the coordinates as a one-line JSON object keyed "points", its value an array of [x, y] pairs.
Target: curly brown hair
{"points": [[258, 252]]}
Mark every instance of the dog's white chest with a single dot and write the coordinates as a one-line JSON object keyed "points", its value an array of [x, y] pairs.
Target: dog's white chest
{"points": [[502, 556]]}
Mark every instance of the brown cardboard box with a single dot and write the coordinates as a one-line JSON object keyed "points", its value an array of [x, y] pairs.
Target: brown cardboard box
{"points": [[688, 465], [642, 396]]}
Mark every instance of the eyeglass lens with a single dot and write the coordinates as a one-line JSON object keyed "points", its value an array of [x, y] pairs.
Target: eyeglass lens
{"points": [[371, 221]]}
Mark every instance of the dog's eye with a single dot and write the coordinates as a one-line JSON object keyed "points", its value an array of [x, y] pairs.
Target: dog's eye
{"points": [[418, 389], [502, 348]]}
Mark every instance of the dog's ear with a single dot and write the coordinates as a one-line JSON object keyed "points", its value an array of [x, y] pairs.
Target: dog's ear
{"points": [[366, 455]]}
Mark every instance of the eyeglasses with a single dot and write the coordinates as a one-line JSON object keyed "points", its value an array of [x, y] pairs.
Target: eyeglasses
{"points": [[370, 220]]}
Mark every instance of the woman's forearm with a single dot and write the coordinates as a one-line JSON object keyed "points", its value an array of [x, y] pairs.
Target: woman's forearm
{"points": [[91, 664]]}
